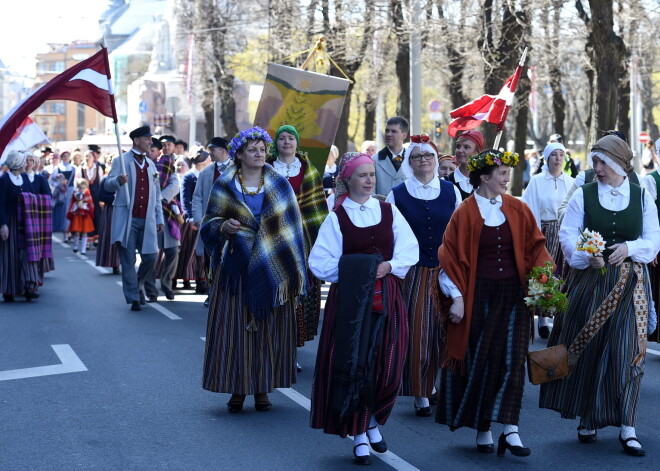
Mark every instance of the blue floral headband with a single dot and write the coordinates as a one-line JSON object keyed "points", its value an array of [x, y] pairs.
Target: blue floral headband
{"points": [[240, 140]]}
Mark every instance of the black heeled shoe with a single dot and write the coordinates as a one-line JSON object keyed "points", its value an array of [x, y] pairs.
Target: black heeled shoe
{"points": [[591, 438], [422, 411], [361, 460], [487, 448], [235, 403], [631, 450], [378, 447], [503, 445]]}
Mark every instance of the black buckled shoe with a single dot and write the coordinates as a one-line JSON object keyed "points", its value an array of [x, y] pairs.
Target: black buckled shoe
{"points": [[378, 447], [631, 450], [361, 460], [587, 438], [503, 445], [422, 411], [544, 331]]}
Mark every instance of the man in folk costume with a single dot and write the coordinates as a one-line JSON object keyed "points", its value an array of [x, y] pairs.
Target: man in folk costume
{"points": [[388, 160], [170, 239], [220, 162], [138, 215]]}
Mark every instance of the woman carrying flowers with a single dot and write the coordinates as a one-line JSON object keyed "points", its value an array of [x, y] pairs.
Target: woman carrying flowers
{"points": [[609, 311], [490, 245], [308, 187], [253, 232]]}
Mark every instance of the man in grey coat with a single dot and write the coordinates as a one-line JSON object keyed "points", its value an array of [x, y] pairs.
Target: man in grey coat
{"points": [[207, 177], [137, 217], [388, 161]]}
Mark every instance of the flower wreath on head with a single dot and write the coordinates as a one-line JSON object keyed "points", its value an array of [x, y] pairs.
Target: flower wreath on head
{"points": [[492, 157], [241, 139]]}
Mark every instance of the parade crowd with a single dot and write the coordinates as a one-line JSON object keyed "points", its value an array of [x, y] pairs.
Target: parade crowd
{"points": [[426, 253]]}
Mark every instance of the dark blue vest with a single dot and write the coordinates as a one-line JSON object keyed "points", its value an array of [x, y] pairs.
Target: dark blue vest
{"points": [[428, 219]]}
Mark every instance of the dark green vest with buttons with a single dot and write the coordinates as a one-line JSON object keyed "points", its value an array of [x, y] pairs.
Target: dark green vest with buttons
{"points": [[615, 226], [656, 177]]}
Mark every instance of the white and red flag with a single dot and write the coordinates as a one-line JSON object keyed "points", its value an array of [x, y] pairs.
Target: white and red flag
{"points": [[490, 108], [28, 135], [87, 82]]}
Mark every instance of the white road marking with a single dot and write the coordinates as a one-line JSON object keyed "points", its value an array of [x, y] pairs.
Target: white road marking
{"points": [[388, 457], [70, 363], [92, 263]]}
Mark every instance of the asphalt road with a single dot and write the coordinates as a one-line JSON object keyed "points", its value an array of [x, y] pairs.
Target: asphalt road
{"points": [[136, 403]]}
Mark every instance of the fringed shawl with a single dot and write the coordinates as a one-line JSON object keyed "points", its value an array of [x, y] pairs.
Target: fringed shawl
{"points": [[165, 167], [267, 259], [311, 201], [34, 226], [458, 256]]}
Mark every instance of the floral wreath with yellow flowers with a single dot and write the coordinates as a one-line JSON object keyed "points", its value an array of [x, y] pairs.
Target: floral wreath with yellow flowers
{"points": [[491, 157]]}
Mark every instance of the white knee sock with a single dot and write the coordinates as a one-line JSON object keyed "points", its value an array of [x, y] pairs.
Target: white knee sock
{"points": [[76, 240], [514, 438], [484, 438], [421, 401], [83, 245], [543, 321], [373, 432], [361, 450], [629, 432]]}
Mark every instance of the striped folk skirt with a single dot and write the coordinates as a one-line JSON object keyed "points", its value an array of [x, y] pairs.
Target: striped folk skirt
{"points": [[188, 267], [423, 358], [245, 356], [603, 388], [550, 229], [308, 311], [390, 360], [17, 275], [491, 388], [107, 254]]}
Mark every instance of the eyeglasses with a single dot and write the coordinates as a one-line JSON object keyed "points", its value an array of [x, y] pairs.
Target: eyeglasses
{"points": [[418, 157]]}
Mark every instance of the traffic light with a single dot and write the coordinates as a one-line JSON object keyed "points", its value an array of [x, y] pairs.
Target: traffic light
{"points": [[438, 129]]}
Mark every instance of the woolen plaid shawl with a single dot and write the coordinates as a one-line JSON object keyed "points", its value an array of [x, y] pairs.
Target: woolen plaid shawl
{"points": [[311, 201], [266, 259], [35, 226], [165, 167]]}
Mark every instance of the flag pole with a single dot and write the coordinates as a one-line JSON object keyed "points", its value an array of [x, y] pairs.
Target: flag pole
{"points": [[114, 119], [500, 127]]}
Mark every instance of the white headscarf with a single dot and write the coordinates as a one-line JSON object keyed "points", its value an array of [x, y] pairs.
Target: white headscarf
{"points": [[425, 147], [16, 159]]}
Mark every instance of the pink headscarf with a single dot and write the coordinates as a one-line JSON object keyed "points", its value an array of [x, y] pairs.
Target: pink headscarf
{"points": [[349, 164]]}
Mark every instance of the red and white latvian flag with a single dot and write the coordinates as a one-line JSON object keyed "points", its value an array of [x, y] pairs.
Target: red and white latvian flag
{"points": [[28, 135], [490, 108], [87, 82]]}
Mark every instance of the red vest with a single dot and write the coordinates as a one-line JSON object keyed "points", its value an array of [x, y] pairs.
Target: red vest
{"points": [[496, 260], [141, 195], [373, 239], [296, 182]]}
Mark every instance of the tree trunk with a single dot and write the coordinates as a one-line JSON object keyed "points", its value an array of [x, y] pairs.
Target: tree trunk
{"points": [[646, 92], [370, 117], [341, 138], [402, 64], [558, 102]]}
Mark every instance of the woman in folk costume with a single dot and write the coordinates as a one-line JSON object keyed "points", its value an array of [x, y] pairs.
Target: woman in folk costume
{"points": [[468, 144], [107, 254], [81, 215], [490, 245], [363, 246], [62, 179], [543, 195], [18, 276], [93, 172], [254, 235], [446, 165], [427, 203], [651, 183], [306, 182], [40, 186], [607, 313]]}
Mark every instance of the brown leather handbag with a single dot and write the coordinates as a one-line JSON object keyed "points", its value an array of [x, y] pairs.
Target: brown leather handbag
{"points": [[548, 364]]}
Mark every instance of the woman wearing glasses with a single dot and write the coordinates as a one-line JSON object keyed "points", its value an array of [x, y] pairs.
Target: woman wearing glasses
{"points": [[427, 203]]}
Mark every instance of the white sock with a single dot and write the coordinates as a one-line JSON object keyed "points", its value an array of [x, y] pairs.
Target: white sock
{"points": [[76, 240], [434, 390], [543, 321], [514, 438], [484, 438], [586, 430], [361, 450], [629, 432], [83, 245], [373, 432], [421, 401]]}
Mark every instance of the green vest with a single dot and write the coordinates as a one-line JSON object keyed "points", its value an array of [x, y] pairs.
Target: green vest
{"points": [[615, 226], [656, 177]]}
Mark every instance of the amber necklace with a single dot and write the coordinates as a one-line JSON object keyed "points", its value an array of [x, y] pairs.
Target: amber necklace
{"points": [[244, 188]]}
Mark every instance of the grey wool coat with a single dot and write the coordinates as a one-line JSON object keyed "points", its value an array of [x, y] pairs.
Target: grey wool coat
{"points": [[122, 213]]}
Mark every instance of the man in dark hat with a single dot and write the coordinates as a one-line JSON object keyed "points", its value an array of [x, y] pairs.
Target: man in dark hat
{"points": [[181, 147], [138, 215], [96, 152], [169, 239], [155, 149], [220, 162]]}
